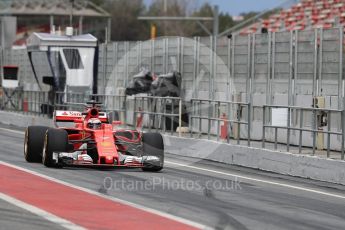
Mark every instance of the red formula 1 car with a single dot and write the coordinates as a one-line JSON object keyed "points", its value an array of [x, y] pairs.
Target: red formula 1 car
{"points": [[92, 141]]}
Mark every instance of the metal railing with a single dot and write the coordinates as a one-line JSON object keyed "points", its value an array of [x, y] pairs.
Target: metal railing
{"points": [[317, 114], [204, 118], [214, 111], [163, 113], [30, 102]]}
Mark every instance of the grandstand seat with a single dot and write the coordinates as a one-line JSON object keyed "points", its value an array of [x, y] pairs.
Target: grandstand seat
{"points": [[323, 26], [306, 14]]}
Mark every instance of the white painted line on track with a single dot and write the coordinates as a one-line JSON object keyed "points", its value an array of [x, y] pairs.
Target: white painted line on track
{"points": [[13, 131], [150, 210], [257, 180], [41, 213]]}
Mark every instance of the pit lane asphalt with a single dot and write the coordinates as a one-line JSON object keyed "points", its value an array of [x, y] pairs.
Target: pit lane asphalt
{"points": [[207, 197]]}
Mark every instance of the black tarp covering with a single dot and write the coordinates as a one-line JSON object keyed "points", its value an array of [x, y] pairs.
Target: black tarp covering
{"points": [[141, 83], [167, 85]]}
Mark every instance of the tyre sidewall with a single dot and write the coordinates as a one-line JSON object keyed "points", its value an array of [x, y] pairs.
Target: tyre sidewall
{"points": [[33, 143], [56, 140], [153, 145]]}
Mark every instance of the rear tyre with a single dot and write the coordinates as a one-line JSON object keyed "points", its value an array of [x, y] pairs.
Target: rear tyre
{"points": [[33, 143], [153, 146], [55, 140]]}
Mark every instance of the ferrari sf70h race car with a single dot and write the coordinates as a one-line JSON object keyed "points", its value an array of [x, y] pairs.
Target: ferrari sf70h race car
{"points": [[92, 141]]}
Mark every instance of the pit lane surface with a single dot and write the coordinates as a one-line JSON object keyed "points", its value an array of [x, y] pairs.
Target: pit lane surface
{"points": [[204, 192]]}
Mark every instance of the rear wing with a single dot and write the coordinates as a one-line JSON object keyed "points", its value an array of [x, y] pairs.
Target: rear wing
{"points": [[72, 116]]}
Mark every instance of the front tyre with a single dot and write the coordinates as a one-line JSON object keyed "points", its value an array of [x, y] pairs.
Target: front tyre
{"points": [[153, 146], [56, 140], [33, 143]]}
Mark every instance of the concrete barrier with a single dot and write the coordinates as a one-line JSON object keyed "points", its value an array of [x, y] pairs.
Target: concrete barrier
{"points": [[304, 166], [279, 162], [23, 120]]}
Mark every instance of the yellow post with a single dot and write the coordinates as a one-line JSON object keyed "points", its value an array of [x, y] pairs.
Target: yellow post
{"points": [[153, 31]]}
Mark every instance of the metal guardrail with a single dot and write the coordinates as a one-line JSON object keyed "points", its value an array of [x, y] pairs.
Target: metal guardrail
{"points": [[214, 107], [163, 112], [314, 130], [206, 117], [30, 102]]}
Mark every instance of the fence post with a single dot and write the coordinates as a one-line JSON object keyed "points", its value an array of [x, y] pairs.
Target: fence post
{"points": [[229, 123], [228, 80], [340, 81], [134, 111], [126, 61], [315, 63], [263, 125], [217, 112], [314, 129], [124, 106], [181, 60], [211, 76], [288, 130], [180, 118], [104, 59], [165, 114], [172, 115], [165, 54], [249, 122], [300, 131], [191, 114], [200, 120], [320, 64], [329, 118], [239, 107], [343, 132], [195, 65]]}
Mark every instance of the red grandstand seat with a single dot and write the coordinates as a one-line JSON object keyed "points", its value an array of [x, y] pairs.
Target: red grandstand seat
{"points": [[245, 32], [300, 17], [291, 19], [298, 27], [338, 5], [318, 3], [273, 29], [297, 7], [305, 14], [315, 11], [323, 26], [307, 3], [342, 20], [265, 22], [326, 11]]}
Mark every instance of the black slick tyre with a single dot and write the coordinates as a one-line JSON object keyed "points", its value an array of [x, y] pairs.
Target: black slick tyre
{"points": [[55, 140], [33, 143], [153, 146]]}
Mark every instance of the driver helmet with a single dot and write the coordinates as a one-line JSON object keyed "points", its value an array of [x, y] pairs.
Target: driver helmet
{"points": [[94, 123]]}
